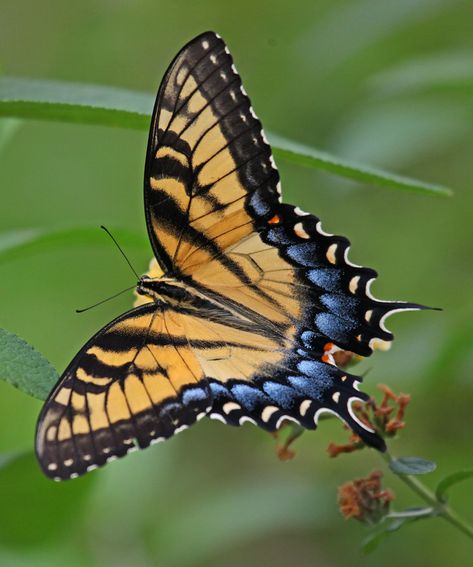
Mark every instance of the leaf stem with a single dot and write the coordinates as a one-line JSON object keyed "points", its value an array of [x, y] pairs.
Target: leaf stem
{"points": [[438, 508]]}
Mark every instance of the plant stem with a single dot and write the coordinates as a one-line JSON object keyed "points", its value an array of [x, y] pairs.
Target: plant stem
{"points": [[439, 508]]}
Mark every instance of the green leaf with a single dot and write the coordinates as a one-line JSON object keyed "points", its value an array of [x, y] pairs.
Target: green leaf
{"points": [[71, 102], [371, 542], [414, 512], [92, 104], [449, 481], [24, 367], [36, 510], [18, 243], [395, 521], [310, 157], [412, 465]]}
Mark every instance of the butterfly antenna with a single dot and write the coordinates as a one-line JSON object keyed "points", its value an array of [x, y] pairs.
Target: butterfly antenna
{"points": [[121, 251], [105, 300]]}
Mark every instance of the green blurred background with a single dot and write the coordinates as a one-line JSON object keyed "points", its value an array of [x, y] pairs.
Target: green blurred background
{"points": [[389, 83]]}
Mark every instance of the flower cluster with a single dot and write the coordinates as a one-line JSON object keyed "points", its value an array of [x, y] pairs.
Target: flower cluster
{"points": [[364, 499], [386, 418]]}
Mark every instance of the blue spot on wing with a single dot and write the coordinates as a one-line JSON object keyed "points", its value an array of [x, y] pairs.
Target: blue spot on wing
{"points": [[339, 330], [345, 307], [279, 236], [260, 204], [218, 390], [283, 395], [313, 368], [326, 278], [311, 340], [313, 389], [194, 395], [248, 396], [304, 253]]}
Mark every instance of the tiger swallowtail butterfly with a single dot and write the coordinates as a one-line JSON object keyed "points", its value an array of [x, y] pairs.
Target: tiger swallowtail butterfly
{"points": [[251, 300]]}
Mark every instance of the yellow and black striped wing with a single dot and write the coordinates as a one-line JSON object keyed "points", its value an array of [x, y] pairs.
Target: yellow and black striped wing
{"points": [[136, 382], [146, 376], [208, 163], [215, 219]]}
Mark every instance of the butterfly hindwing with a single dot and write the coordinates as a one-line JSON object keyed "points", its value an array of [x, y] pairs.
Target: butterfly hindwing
{"points": [[318, 302]]}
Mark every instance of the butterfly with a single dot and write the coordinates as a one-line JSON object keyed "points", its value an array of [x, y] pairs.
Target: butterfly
{"points": [[250, 304]]}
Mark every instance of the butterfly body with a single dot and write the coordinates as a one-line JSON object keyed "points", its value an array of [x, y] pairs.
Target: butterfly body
{"points": [[165, 289], [240, 314]]}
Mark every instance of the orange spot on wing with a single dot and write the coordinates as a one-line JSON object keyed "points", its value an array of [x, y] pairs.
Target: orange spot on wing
{"points": [[274, 220], [325, 358], [328, 346]]}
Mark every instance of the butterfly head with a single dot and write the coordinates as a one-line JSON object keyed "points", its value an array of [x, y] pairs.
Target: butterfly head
{"points": [[141, 288]]}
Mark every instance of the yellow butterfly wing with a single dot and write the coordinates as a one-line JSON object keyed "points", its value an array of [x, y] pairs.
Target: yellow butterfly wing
{"points": [[136, 382], [207, 159], [211, 184]]}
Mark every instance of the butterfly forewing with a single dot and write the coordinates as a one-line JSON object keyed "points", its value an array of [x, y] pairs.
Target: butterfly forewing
{"points": [[136, 382], [208, 164]]}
